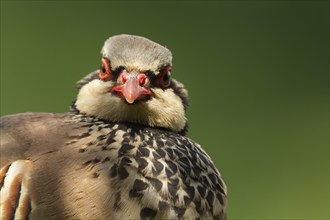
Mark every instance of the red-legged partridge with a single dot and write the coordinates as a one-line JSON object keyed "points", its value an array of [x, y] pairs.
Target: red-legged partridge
{"points": [[120, 153]]}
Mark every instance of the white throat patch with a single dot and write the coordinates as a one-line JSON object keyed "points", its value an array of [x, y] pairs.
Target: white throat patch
{"points": [[165, 109]]}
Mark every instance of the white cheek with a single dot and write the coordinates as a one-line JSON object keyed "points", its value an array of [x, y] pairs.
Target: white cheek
{"points": [[95, 98], [165, 109]]}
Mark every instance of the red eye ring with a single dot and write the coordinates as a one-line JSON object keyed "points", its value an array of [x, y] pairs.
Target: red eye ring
{"points": [[105, 70], [164, 80]]}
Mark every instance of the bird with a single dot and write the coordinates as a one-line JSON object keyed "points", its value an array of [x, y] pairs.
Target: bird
{"points": [[120, 152]]}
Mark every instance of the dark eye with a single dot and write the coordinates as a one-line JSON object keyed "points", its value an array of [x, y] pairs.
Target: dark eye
{"points": [[105, 70], [164, 80]]}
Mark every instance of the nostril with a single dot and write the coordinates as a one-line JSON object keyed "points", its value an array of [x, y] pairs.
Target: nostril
{"points": [[124, 78]]}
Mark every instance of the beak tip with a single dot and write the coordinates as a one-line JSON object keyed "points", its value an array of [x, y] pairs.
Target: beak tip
{"points": [[130, 101]]}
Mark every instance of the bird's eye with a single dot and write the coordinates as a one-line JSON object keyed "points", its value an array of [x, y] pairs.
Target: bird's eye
{"points": [[105, 70], [164, 79]]}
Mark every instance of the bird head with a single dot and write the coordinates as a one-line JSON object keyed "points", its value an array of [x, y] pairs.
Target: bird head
{"points": [[134, 84]]}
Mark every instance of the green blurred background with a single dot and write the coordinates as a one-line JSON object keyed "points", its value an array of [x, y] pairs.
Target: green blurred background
{"points": [[257, 73]]}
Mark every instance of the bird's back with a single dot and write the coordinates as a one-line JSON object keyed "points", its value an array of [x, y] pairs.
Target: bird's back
{"points": [[72, 166]]}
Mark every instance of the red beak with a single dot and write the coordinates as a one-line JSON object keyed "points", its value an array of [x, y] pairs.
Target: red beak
{"points": [[133, 87]]}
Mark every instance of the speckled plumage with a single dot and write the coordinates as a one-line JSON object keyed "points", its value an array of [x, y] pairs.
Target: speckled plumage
{"points": [[79, 166]]}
